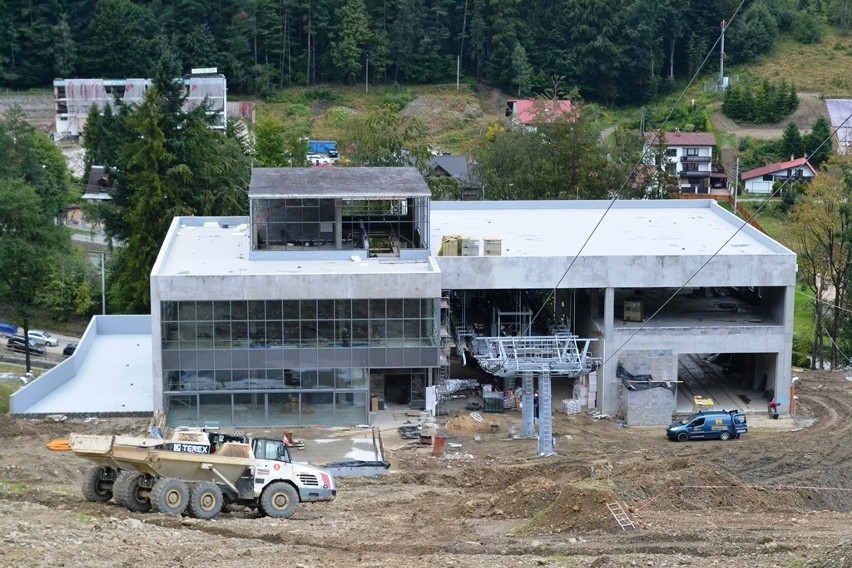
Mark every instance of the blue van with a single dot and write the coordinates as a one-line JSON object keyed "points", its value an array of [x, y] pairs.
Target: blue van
{"points": [[710, 424]]}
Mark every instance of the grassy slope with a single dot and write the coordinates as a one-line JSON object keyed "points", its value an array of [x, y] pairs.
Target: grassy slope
{"points": [[822, 67]]}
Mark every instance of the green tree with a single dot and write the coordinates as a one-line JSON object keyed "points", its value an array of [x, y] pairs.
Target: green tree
{"points": [[385, 138], [840, 13], [168, 162], [199, 47], [29, 239], [818, 144], [821, 235], [752, 34], [791, 141], [562, 158], [279, 144], [69, 290], [119, 40], [522, 68], [30, 155], [64, 50], [351, 39], [807, 28]]}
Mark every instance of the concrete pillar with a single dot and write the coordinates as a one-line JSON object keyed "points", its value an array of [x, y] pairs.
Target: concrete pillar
{"points": [[338, 224], [608, 387], [545, 415], [784, 359], [528, 410]]}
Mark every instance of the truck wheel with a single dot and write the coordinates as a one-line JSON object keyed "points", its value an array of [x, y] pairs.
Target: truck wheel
{"points": [[725, 436], [134, 495], [97, 484], [682, 437], [205, 500], [118, 489], [170, 496], [279, 500]]}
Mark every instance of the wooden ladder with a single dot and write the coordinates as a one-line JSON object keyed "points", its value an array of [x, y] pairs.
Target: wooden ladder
{"points": [[620, 516]]}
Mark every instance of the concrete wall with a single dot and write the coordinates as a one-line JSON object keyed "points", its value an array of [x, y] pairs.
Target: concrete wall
{"points": [[649, 407], [654, 406], [671, 271]]}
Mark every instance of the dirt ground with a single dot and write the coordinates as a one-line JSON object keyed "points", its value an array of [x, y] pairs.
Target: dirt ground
{"points": [[780, 496]]}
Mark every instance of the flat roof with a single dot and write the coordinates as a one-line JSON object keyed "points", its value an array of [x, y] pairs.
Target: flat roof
{"points": [[220, 246], [111, 372], [622, 228], [359, 183]]}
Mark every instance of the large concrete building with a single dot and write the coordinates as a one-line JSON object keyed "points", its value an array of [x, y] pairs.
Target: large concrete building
{"points": [[345, 283], [74, 98]]}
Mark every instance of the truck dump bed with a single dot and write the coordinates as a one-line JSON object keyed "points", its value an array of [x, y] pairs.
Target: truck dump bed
{"points": [[230, 462], [98, 448], [146, 455]]}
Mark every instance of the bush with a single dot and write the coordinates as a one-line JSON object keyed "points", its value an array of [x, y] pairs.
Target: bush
{"points": [[296, 109], [801, 360], [807, 29], [397, 98], [321, 95]]}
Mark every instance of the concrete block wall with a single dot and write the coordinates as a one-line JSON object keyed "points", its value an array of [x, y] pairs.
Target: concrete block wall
{"points": [[649, 407], [654, 406]]}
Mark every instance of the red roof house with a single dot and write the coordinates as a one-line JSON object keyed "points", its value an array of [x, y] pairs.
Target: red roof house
{"points": [[760, 180]]}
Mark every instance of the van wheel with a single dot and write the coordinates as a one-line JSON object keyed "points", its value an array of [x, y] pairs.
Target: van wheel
{"points": [[725, 436], [682, 437]]}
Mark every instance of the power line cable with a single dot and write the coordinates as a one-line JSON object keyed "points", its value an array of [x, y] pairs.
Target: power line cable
{"points": [[716, 253], [639, 163]]}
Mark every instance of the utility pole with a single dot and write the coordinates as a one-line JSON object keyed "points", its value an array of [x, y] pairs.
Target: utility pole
{"points": [[736, 184], [367, 76], [103, 283], [722, 59], [458, 70]]}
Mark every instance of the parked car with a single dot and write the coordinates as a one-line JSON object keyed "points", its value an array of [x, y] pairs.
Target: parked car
{"points": [[69, 349], [43, 338], [18, 343], [719, 424]]}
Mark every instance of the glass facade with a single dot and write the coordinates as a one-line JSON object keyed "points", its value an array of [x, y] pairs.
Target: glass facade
{"points": [[381, 224], [288, 362]]}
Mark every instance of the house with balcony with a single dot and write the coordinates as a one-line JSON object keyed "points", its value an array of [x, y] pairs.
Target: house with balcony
{"points": [[687, 156]]}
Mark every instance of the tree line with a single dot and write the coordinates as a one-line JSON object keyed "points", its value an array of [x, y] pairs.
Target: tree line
{"points": [[764, 103], [612, 51]]}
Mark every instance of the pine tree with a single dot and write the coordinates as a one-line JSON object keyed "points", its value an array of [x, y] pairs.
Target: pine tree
{"points": [[818, 144], [791, 142]]}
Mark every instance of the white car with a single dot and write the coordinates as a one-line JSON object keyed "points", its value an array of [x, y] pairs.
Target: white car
{"points": [[318, 160], [43, 338]]}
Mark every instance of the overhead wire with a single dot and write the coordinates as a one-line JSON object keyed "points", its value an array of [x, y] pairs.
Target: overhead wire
{"points": [[718, 250], [635, 168], [642, 161]]}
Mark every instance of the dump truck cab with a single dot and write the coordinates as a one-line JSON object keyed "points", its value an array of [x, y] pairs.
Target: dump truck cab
{"points": [[274, 463]]}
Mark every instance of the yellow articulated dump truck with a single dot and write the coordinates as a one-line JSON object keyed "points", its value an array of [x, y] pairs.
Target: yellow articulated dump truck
{"points": [[196, 472]]}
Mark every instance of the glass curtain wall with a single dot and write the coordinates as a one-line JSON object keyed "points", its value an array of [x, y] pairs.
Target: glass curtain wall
{"points": [[288, 362]]}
